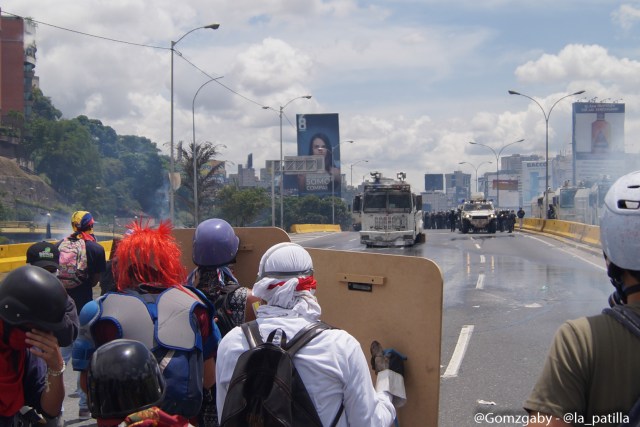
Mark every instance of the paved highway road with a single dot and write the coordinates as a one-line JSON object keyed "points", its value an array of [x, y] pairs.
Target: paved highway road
{"points": [[504, 297]]}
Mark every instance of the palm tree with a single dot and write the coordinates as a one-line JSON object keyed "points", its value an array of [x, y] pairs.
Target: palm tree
{"points": [[209, 171]]}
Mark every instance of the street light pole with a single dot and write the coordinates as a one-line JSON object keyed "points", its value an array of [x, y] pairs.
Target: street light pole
{"points": [[476, 168], [497, 164], [352, 165], [194, 152], [546, 150], [172, 167], [333, 199], [280, 111]]}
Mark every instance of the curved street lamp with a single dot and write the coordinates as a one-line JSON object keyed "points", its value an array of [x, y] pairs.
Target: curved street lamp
{"points": [[279, 111], [352, 165], [497, 164], [476, 168], [333, 199], [172, 167], [546, 150]]}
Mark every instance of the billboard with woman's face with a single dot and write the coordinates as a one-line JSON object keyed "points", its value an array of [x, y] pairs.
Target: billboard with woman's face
{"points": [[598, 140], [319, 135]]}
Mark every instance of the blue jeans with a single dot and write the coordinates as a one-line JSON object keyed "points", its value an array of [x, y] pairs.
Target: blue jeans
{"points": [[66, 356]]}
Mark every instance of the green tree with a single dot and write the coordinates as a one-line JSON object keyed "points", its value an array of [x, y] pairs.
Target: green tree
{"points": [[65, 152], [315, 210], [42, 107], [91, 166], [241, 207], [104, 136], [144, 171]]}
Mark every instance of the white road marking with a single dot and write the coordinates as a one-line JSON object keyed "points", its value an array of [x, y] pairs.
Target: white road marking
{"points": [[482, 259], [480, 282], [542, 241], [478, 246], [600, 266], [458, 353]]}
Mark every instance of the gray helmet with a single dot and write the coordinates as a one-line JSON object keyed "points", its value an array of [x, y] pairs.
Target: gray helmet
{"points": [[32, 295], [620, 222], [284, 261], [214, 243]]}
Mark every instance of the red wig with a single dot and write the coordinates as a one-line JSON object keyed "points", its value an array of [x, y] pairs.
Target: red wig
{"points": [[148, 256]]}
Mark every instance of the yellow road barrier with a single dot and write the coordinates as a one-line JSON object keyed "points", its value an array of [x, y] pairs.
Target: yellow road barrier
{"points": [[14, 256], [314, 228]]}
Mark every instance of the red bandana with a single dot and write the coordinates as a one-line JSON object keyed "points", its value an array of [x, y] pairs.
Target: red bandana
{"points": [[304, 284], [12, 361]]}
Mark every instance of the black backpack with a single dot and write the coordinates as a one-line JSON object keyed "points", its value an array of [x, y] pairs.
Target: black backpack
{"points": [[265, 389], [224, 321], [630, 320]]}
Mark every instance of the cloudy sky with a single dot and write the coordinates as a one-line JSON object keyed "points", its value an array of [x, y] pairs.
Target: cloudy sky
{"points": [[412, 80]]}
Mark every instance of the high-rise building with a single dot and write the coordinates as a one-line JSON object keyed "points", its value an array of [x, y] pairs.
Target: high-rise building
{"points": [[458, 186], [17, 64]]}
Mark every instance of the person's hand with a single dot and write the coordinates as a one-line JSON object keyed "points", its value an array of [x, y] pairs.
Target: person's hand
{"points": [[45, 346], [386, 359], [378, 360], [389, 367]]}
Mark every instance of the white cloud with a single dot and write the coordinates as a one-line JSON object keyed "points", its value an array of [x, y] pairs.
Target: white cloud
{"points": [[626, 16], [413, 82]]}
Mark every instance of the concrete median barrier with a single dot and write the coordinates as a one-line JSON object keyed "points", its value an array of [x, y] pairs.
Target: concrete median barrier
{"points": [[534, 224], [591, 235], [567, 229]]}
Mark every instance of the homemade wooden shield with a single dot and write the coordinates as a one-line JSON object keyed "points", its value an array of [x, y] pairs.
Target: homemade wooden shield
{"points": [[254, 242], [396, 300]]}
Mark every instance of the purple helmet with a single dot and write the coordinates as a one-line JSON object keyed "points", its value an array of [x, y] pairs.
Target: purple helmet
{"points": [[214, 243]]}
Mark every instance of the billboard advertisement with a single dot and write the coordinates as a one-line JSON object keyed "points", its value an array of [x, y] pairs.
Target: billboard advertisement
{"points": [[319, 135], [598, 140]]}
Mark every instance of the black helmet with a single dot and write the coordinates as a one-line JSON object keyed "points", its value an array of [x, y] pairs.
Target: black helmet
{"points": [[32, 295], [123, 378]]}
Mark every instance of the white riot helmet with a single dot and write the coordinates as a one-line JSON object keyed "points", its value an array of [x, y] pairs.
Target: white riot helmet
{"points": [[620, 222]]}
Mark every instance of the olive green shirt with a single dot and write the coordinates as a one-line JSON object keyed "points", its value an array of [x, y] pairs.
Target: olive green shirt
{"points": [[592, 369]]}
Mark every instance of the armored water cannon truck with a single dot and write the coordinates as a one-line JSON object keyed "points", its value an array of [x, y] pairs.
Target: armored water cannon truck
{"points": [[390, 214]]}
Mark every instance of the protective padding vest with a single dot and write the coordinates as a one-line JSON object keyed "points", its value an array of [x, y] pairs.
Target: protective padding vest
{"points": [[134, 314], [165, 324]]}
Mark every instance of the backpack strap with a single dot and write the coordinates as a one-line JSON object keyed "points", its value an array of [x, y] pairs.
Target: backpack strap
{"points": [[252, 333], [305, 335], [300, 339], [626, 316]]}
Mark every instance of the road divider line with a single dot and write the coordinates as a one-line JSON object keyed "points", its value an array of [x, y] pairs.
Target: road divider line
{"points": [[480, 282], [482, 259], [458, 353]]}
